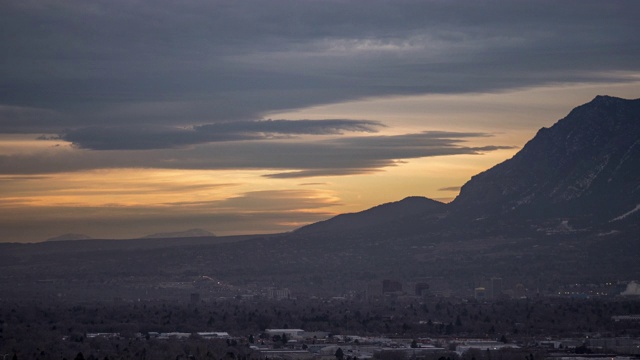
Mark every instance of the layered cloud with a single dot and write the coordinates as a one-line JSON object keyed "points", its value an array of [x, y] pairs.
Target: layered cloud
{"points": [[73, 64], [163, 137], [295, 157], [122, 75]]}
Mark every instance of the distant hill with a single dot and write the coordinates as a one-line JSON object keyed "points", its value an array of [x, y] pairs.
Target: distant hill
{"points": [[180, 234], [380, 216], [69, 237]]}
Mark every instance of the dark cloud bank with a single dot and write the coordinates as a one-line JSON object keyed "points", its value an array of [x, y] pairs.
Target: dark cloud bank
{"points": [[123, 75], [163, 137], [342, 156], [231, 60]]}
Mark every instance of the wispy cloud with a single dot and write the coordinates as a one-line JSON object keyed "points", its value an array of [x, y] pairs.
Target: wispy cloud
{"points": [[164, 137], [302, 158], [450, 188]]}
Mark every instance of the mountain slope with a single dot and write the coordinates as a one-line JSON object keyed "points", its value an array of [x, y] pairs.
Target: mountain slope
{"points": [[583, 172], [585, 167], [377, 217]]}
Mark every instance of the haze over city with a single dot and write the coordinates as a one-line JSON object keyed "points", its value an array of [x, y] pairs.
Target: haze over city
{"points": [[120, 119]]}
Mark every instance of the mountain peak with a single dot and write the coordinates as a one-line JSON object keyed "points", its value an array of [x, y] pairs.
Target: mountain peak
{"points": [[605, 103], [588, 162], [607, 98], [381, 215]]}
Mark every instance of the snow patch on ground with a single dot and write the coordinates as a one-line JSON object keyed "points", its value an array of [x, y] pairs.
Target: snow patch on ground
{"points": [[626, 214]]}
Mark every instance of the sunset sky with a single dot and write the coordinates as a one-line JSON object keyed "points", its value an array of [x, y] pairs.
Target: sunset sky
{"points": [[120, 118]]}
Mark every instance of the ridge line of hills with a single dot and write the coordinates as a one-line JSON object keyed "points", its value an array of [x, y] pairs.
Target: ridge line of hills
{"points": [[563, 210], [583, 171], [586, 161]]}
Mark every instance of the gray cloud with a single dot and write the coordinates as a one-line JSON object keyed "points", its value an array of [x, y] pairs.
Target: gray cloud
{"points": [[330, 171], [450, 188], [164, 137], [113, 63], [291, 158], [278, 200]]}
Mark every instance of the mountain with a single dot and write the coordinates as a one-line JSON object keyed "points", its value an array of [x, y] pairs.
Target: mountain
{"points": [[378, 217], [582, 172], [585, 168], [70, 236], [563, 210], [180, 234]]}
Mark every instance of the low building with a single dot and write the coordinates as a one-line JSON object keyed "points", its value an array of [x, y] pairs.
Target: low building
{"points": [[483, 345], [214, 335], [278, 294], [290, 333], [286, 354], [617, 318]]}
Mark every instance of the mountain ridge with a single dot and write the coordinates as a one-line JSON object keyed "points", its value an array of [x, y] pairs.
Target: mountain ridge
{"points": [[376, 216], [69, 237], [587, 161], [584, 170], [180, 234], [564, 234]]}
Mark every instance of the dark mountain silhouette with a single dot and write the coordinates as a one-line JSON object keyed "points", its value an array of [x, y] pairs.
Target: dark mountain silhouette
{"points": [[377, 217], [581, 173], [180, 234], [585, 168], [565, 209], [69, 237]]}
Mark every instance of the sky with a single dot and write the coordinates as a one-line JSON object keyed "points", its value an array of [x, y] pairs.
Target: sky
{"points": [[120, 119]]}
